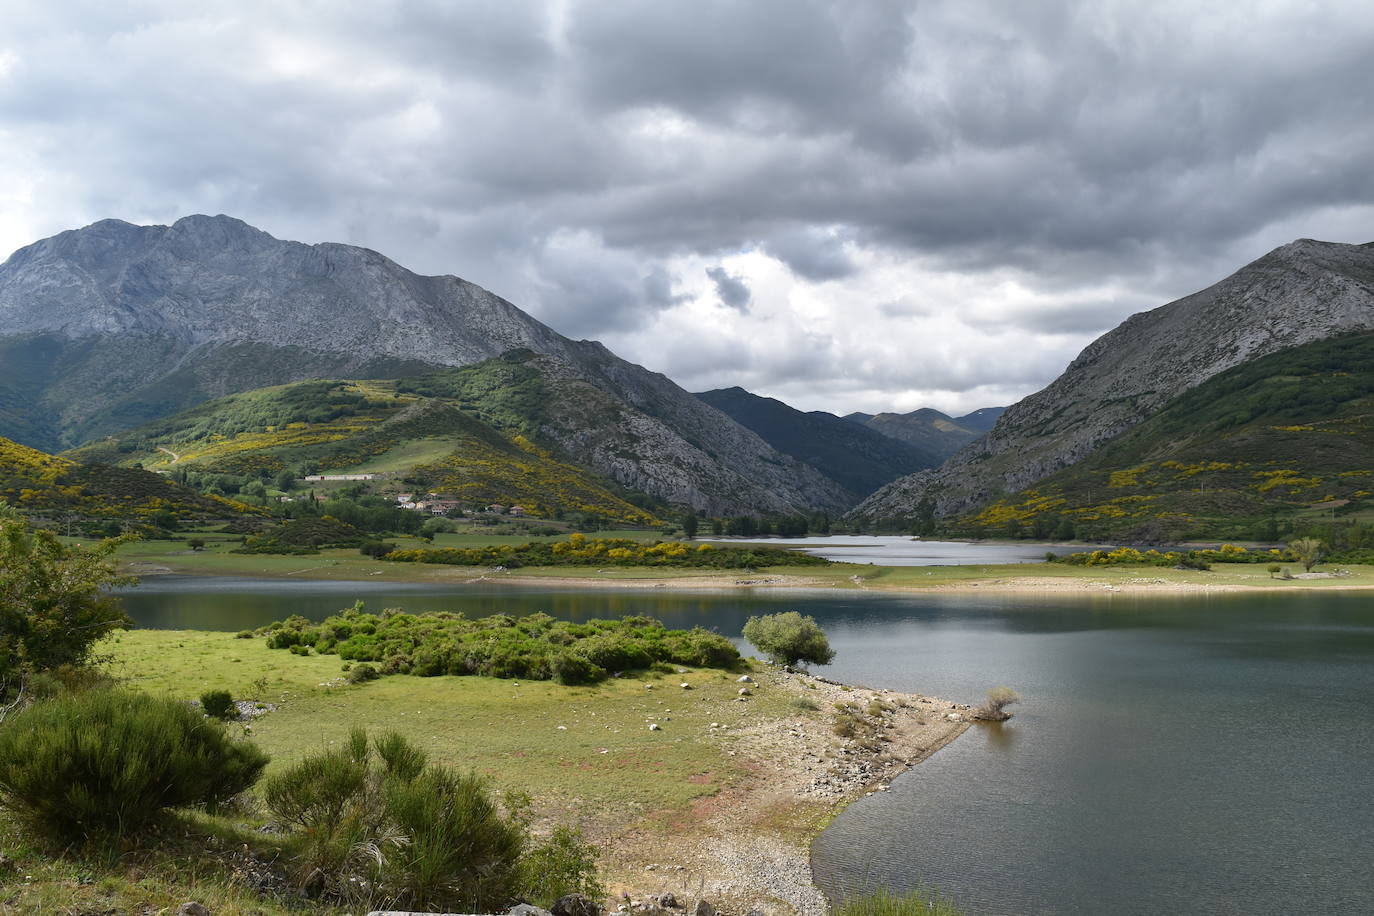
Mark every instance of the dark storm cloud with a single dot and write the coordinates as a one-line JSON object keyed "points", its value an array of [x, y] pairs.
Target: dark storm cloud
{"points": [[731, 291], [589, 160]]}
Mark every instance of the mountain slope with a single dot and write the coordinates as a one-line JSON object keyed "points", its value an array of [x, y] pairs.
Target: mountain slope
{"points": [[1273, 437], [1302, 292], [44, 485], [927, 429], [367, 427], [111, 326], [859, 458]]}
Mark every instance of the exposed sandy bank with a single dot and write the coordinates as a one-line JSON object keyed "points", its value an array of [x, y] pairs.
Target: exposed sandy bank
{"points": [[748, 846]]}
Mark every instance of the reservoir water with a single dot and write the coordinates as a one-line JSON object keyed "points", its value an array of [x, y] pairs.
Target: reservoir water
{"points": [[1174, 754]]}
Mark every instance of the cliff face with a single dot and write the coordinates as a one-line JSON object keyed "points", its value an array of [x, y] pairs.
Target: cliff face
{"points": [[113, 325], [1296, 294]]}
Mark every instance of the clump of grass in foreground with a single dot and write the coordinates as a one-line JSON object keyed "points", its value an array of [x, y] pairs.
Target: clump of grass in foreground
{"points": [[535, 647], [919, 901]]}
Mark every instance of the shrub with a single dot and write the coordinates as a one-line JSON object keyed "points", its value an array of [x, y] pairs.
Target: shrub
{"points": [[363, 673], [789, 638], [563, 864], [381, 825], [219, 704], [109, 762], [994, 709]]}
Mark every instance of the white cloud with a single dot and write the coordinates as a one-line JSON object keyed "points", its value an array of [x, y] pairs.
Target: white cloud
{"points": [[925, 205]]}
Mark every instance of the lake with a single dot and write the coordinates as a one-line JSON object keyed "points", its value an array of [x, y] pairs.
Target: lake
{"points": [[1199, 753], [887, 550]]}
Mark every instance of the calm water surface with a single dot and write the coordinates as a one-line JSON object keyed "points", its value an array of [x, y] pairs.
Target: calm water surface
{"points": [[1200, 754], [909, 551]]}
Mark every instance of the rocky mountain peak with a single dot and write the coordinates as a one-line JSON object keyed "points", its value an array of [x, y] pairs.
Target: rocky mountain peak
{"points": [[1304, 291]]}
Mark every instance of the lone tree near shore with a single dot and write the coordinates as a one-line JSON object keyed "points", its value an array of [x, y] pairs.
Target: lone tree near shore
{"points": [[995, 707], [789, 638], [1307, 551]]}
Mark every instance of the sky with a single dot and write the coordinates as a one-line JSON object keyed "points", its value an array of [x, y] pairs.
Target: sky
{"points": [[844, 204]]}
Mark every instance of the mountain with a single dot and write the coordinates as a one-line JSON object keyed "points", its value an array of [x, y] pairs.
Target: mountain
{"points": [[981, 420], [929, 430], [45, 485], [108, 327], [1285, 435], [379, 427], [854, 456], [1299, 293]]}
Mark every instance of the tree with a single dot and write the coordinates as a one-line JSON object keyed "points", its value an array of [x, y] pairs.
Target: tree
{"points": [[1307, 551], [196, 543], [53, 603], [789, 638], [689, 525]]}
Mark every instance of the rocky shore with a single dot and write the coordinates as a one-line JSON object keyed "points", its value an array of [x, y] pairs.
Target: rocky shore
{"points": [[747, 848]]}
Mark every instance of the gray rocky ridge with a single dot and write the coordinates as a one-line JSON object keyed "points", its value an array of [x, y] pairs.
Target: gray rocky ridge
{"points": [[1299, 293], [112, 325]]}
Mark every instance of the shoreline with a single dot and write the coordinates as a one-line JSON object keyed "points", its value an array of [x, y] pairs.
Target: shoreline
{"points": [[749, 846], [1127, 580]]}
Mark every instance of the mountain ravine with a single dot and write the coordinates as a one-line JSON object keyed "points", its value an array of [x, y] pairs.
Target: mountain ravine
{"points": [[111, 326], [1298, 293]]}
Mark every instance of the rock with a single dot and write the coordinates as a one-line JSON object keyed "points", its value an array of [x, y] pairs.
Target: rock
{"points": [[527, 909], [669, 900], [576, 905], [742, 679], [745, 692], [653, 727], [685, 686], [648, 686], [704, 909], [191, 908]]}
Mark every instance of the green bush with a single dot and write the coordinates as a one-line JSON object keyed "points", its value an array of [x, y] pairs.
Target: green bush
{"points": [[563, 864], [789, 638], [535, 647], [219, 704], [363, 673], [381, 825], [110, 762]]}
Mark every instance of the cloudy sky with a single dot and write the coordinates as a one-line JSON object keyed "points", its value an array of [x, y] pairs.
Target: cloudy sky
{"points": [[846, 204]]}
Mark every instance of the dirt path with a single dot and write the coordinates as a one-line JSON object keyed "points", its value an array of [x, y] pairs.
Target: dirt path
{"points": [[167, 451]]}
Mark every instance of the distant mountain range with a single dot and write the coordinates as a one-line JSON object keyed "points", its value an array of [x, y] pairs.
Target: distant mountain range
{"points": [[1156, 365], [860, 458], [929, 430], [106, 328]]}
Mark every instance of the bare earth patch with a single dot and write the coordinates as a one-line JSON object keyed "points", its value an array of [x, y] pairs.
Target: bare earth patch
{"points": [[748, 846]]}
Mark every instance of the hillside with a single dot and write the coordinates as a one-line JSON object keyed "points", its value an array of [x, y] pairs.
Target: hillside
{"points": [[927, 429], [43, 485], [858, 458], [1302, 292], [106, 328], [376, 427], [1289, 434]]}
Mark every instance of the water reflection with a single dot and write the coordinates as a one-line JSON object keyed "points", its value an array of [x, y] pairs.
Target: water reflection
{"points": [[1000, 735]]}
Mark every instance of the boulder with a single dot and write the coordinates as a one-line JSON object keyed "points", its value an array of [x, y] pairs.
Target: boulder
{"points": [[576, 905], [527, 909], [704, 909], [669, 900], [191, 908]]}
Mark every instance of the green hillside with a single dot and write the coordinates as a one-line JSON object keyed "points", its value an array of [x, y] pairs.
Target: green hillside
{"points": [[431, 433], [40, 484], [1287, 438]]}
